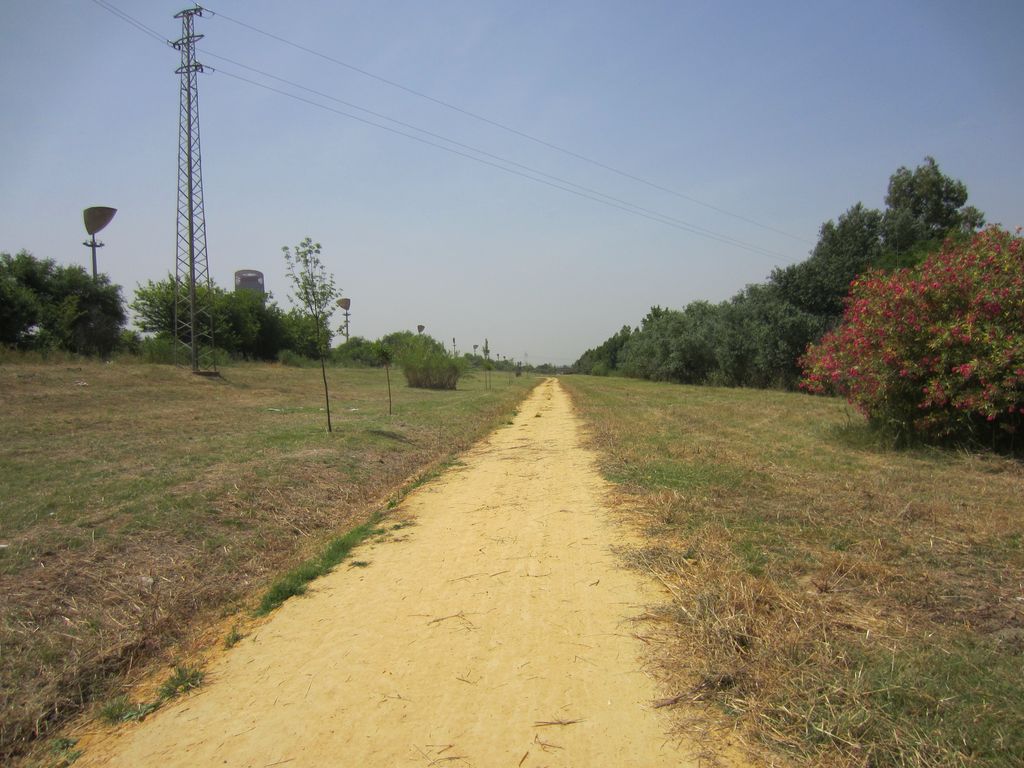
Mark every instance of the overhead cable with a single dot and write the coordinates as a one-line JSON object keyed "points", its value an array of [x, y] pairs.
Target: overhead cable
{"points": [[624, 204], [503, 126], [132, 21], [496, 161], [633, 210]]}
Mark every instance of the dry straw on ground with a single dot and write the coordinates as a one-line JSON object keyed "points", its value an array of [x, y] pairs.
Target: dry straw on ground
{"points": [[844, 603], [139, 504]]}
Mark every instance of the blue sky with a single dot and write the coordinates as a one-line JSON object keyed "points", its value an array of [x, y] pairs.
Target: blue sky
{"points": [[785, 114]]}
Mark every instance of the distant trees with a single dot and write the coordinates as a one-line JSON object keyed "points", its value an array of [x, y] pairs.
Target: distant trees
{"points": [[248, 324], [605, 358], [47, 306], [357, 351], [756, 338]]}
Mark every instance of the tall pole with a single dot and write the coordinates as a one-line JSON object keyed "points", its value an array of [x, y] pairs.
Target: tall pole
{"points": [[96, 218], [93, 245], [193, 314]]}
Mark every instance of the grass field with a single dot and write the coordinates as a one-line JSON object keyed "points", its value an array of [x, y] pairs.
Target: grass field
{"points": [[848, 604], [138, 501]]}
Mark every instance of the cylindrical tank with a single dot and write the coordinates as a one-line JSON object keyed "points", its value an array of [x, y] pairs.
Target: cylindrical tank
{"points": [[249, 280]]}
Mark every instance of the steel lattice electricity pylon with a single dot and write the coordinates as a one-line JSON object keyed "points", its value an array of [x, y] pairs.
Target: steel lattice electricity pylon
{"points": [[193, 314]]}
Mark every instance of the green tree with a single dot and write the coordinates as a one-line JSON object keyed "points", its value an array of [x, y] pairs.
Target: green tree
{"points": [[44, 305], [760, 337], [153, 306], [86, 316], [672, 345], [844, 250], [315, 292], [19, 306], [923, 207], [249, 324], [756, 338], [357, 351], [604, 359]]}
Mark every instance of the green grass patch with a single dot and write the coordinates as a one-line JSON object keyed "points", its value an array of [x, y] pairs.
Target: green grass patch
{"points": [[123, 710], [233, 638], [182, 680], [63, 752], [678, 475], [296, 580]]}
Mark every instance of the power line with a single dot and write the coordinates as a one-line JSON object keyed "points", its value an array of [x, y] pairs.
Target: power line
{"points": [[694, 228], [540, 177], [635, 210], [132, 21], [505, 127]]}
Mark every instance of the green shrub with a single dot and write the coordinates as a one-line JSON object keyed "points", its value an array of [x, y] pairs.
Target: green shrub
{"points": [[157, 349], [427, 367]]}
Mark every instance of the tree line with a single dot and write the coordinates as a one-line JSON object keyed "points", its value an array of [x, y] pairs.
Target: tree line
{"points": [[45, 306], [757, 337]]}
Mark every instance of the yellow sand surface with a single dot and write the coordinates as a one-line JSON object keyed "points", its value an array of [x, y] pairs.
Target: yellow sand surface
{"points": [[496, 630]]}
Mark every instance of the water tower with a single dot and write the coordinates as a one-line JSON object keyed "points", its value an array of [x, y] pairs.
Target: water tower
{"points": [[249, 280]]}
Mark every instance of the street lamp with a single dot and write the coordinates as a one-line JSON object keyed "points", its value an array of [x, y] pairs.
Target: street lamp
{"points": [[96, 218], [346, 305]]}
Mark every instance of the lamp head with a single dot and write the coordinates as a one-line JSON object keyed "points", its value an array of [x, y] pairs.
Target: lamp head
{"points": [[97, 217]]}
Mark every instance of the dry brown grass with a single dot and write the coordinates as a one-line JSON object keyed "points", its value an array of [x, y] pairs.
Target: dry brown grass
{"points": [[138, 504], [847, 604]]}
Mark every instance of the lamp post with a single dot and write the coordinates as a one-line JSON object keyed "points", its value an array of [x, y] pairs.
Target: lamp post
{"points": [[96, 218], [346, 305]]}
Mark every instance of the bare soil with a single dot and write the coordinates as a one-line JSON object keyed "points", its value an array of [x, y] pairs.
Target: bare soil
{"points": [[492, 625]]}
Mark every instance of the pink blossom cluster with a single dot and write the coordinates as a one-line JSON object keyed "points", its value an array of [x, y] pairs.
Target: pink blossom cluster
{"points": [[936, 348]]}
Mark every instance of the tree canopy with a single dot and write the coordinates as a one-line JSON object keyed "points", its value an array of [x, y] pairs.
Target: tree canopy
{"points": [[757, 337], [248, 324], [44, 305]]}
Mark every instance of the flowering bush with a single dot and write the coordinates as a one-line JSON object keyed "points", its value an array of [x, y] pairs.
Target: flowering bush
{"points": [[937, 349]]}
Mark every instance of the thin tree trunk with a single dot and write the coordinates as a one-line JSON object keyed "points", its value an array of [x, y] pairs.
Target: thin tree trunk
{"points": [[323, 369], [387, 372], [327, 397]]}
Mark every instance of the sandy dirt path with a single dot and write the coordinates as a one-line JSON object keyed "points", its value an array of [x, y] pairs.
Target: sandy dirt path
{"points": [[495, 631]]}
